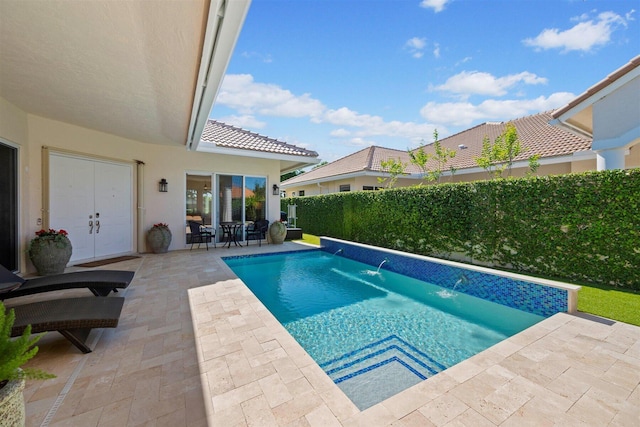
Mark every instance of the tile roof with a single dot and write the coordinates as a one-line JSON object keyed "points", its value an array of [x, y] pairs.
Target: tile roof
{"points": [[535, 133], [536, 136], [227, 136], [602, 84], [360, 162]]}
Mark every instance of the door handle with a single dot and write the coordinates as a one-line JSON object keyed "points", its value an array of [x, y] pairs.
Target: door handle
{"points": [[90, 227], [97, 226]]}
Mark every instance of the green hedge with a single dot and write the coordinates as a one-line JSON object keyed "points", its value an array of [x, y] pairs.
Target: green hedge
{"points": [[582, 228]]}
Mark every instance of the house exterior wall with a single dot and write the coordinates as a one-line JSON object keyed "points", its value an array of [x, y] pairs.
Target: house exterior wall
{"points": [[632, 160], [585, 162], [356, 184], [616, 114], [30, 133]]}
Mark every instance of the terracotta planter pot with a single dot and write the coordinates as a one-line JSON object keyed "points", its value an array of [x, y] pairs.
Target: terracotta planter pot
{"points": [[50, 256], [159, 239], [277, 232], [12, 403]]}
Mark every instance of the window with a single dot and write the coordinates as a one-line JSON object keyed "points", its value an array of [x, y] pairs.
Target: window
{"points": [[345, 187], [369, 188], [301, 193]]}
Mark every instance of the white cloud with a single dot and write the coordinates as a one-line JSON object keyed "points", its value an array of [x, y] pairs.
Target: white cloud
{"points": [[340, 133], [416, 46], [463, 60], [360, 142], [436, 5], [240, 92], [367, 125], [465, 113], [436, 50], [266, 58], [247, 121], [469, 83], [629, 15], [584, 36]]}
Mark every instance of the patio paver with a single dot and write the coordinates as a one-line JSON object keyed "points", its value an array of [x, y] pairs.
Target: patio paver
{"points": [[194, 347]]}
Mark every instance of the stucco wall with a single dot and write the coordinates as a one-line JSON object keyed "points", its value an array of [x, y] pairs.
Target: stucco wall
{"points": [[616, 114], [585, 163], [30, 133]]}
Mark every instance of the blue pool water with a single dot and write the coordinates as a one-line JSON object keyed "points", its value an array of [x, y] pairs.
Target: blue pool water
{"points": [[373, 331]]}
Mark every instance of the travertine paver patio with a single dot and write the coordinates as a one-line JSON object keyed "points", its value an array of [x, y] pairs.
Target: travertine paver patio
{"points": [[240, 366]]}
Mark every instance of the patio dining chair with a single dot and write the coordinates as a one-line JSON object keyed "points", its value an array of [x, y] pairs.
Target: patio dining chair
{"points": [[199, 234], [257, 230]]}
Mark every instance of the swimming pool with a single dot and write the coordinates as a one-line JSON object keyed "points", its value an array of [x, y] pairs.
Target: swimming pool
{"points": [[373, 331]]}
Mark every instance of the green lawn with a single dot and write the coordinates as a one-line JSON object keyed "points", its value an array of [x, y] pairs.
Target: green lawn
{"points": [[311, 239], [609, 302], [612, 303]]}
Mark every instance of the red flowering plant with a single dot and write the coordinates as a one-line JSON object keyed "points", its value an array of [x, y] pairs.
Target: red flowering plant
{"points": [[58, 236], [161, 225]]}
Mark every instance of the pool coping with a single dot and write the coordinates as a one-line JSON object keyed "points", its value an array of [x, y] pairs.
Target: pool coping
{"points": [[538, 375]]}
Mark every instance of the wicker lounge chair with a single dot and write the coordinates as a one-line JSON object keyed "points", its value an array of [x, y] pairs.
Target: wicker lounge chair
{"points": [[72, 317], [100, 282]]}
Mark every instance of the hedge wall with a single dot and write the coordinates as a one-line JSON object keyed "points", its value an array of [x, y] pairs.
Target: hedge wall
{"points": [[582, 228]]}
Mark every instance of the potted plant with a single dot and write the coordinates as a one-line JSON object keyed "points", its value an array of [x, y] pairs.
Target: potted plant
{"points": [[50, 251], [159, 238], [13, 354], [277, 232]]}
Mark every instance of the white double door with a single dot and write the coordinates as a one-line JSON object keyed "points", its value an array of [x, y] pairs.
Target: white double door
{"points": [[92, 201]]}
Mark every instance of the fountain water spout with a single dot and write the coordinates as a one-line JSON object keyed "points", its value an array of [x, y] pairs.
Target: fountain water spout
{"points": [[379, 266], [462, 280], [338, 251]]}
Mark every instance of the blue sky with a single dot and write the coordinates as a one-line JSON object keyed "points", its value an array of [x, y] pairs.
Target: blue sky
{"points": [[336, 76]]}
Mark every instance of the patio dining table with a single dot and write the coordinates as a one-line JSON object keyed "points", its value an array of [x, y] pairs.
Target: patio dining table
{"points": [[230, 232]]}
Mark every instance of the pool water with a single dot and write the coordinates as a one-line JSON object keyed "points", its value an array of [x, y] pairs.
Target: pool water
{"points": [[374, 332]]}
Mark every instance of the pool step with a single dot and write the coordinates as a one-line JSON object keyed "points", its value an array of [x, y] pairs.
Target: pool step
{"points": [[381, 355]]}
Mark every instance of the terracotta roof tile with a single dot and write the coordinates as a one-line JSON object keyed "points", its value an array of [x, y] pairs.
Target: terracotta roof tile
{"points": [[365, 160], [224, 135], [536, 136]]}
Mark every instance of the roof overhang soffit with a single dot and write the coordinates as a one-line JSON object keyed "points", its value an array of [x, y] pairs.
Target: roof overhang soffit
{"points": [[224, 23], [579, 118], [288, 162]]}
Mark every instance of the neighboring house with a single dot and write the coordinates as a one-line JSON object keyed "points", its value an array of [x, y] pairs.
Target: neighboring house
{"points": [[600, 129], [98, 104], [560, 152], [609, 113]]}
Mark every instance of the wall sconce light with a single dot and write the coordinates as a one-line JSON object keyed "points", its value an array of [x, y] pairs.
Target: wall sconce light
{"points": [[163, 186], [276, 190]]}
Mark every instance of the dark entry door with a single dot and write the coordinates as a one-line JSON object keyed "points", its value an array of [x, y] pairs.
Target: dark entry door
{"points": [[9, 207]]}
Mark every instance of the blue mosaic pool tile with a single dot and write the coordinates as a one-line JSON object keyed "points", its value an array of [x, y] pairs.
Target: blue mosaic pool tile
{"points": [[531, 297], [376, 366]]}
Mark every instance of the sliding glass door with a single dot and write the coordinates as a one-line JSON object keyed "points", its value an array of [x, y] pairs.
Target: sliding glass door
{"points": [[240, 199]]}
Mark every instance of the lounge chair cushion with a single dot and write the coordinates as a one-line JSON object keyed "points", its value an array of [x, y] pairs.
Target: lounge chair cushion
{"points": [[72, 317], [7, 276], [99, 282]]}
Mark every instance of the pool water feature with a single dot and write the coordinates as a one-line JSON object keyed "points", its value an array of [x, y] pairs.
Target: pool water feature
{"points": [[373, 331]]}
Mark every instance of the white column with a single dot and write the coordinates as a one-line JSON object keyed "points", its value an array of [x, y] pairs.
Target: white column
{"points": [[227, 214], [610, 159]]}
